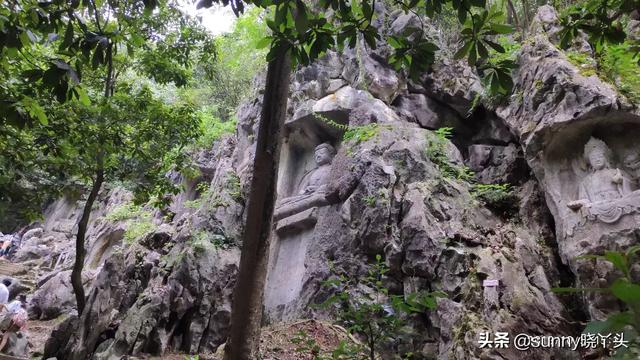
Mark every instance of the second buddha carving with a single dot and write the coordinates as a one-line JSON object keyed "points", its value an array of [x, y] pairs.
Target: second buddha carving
{"points": [[605, 194]]}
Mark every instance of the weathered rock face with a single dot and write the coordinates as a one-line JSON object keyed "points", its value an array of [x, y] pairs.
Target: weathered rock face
{"points": [[391, 198], [578, 135], [169, 290], [433, 235], [394, 189]]}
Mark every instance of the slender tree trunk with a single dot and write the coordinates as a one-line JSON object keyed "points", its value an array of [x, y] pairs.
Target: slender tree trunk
{"points": [[513, 13], [526, 19], [78, 265], [76, 273], [246, 315]]}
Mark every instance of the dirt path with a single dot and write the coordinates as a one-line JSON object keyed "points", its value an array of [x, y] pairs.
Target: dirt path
{"points": [[276, 341]]}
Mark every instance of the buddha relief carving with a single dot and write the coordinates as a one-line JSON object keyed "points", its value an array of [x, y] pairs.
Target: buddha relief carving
{"points": [[313, 187], [631, 163], [605, 193]]}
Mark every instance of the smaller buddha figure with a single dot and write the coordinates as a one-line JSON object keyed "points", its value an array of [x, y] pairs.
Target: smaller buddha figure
{"points": [[313, 187], [631, 163], [603, 193]]}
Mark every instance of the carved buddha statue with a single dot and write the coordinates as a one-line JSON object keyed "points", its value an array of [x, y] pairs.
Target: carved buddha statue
{"points": [[631, 163], [602, 183], [605, 193], [313, 186]]}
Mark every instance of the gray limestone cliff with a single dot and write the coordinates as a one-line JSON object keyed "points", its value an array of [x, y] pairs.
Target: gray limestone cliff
{"points": [[392, 187]]}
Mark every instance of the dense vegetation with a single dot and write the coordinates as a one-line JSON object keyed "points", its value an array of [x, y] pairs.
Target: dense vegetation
{"points": [[164, 92]]}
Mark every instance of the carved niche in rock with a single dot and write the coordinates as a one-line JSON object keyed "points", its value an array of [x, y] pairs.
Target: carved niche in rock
{"points": [[313, 190], [589, 171], [296, 217], [606, 193], [307, 184]]}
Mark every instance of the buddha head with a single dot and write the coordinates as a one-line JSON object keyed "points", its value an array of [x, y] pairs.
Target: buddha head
{"points": [[324, 153], [632, 161], [597, 154]]}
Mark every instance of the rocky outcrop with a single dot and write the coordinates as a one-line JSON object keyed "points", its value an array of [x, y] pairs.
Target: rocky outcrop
{"points": [[573, 129], [394, 188]]}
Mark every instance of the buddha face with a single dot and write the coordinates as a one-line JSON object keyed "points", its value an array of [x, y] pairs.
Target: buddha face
{"points": [[323, 156], [632, 161], [598, 159]]}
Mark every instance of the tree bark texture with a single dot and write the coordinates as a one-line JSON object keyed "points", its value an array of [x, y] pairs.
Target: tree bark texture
{"points": [[246, 314]]}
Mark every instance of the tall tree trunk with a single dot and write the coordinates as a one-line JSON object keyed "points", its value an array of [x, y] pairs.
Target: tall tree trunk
{"points": [[246, 314], [526, 19], [76, 273], [78, 265], [513, 13]]}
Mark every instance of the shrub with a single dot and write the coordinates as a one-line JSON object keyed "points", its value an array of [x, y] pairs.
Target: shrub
{"points": [[436, 151], [620, 67], [203, 238], [138, 228], [124, 212], [138, 221], [358, 134], [497, 197], [234, 187], [376, 316], [212, 128]]}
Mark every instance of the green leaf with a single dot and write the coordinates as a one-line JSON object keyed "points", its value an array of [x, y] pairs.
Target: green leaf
{"points": [[393, 41], [370, 39], [264, 42], [68, 36], [463, 51], [35, 110], [497, 47], [83, 97], [618, 260], [626, 291], [501, 28]]}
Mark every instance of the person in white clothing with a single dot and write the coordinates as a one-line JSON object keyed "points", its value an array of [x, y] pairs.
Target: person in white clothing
{"points": [[4, 295]]}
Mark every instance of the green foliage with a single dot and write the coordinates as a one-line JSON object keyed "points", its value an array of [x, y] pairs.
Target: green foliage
{"points": [[496, 74], [627, 291], [614, 63], [358, 134], [477, 33], [73, 106], [234, 187], [238, 62], [124, 212], [601, 20], [203, 238], [376, 315], [346, 350], [436, 151], [370, 200], [330, 122], [444, 133], [307, 33], [497, 197], [619, 65], [583, 62], [139, 221], [138, 228], [212, 128]]}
